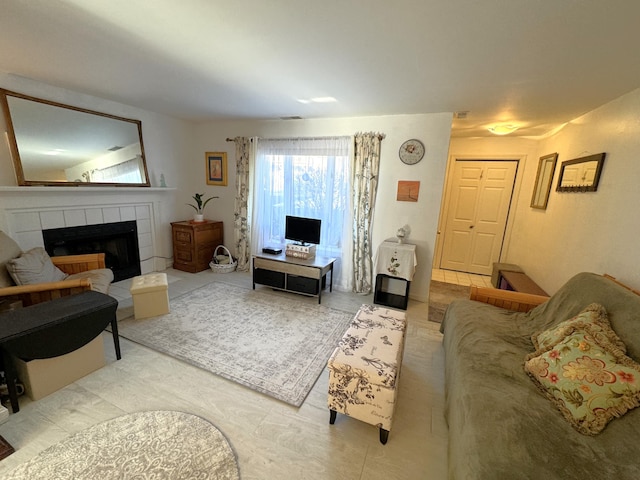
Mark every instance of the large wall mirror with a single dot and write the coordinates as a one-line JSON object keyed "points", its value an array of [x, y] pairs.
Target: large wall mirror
{"points": [[57, 145], [581, 174]]}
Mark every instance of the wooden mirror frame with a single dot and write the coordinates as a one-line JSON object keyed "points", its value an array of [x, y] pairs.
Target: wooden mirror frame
{"points": [[69, 112], [544, 180], [593, 186]]}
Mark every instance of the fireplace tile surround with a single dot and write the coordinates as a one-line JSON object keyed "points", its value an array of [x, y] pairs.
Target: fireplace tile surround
{"points": [[26, 211]]}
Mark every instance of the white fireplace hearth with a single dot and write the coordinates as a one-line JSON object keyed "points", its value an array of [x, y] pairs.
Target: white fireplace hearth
{"points": [[26, 211]]}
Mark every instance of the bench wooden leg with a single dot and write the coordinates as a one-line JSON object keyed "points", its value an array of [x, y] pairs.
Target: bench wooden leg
{"points": [[384, 436], [332, 416]]}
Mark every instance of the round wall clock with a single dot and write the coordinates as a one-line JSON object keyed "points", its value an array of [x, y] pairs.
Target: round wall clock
{"points": [[411, 151]]}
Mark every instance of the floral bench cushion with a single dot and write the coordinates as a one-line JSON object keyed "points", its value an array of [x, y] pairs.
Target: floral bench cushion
{"points": [[371, 344], [364, 368]]}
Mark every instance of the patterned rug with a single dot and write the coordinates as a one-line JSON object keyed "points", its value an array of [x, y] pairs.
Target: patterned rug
{"points": [[272, 344], [441, 294], [143, 445]]}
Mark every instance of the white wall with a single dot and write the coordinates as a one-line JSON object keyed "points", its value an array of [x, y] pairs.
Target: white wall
{"points": [[176, 149], [433, 130], [593, 231]]}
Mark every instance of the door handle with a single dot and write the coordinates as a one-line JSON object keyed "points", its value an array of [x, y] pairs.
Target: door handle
{"points": [[471, 226]]}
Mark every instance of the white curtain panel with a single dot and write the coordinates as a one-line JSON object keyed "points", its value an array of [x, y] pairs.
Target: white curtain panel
{"points": [[305, 177]]}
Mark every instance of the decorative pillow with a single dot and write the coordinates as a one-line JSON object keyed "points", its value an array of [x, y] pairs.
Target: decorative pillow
{"points": [[594, 315], [34, 266], [587, 378], [9, 250]]}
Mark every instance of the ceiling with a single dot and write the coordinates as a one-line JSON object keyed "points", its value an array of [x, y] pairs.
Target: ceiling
{"points": [[536, 64]]}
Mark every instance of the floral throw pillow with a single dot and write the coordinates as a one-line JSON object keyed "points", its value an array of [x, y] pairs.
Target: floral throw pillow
{"points": [[587, 378], [595, 315]]}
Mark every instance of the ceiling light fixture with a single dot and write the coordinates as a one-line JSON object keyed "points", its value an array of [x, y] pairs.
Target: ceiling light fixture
{"points": [[502, 129]]}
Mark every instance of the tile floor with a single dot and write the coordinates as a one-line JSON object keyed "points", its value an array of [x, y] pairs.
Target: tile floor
{"points": [[461, 278], [272, 440]]}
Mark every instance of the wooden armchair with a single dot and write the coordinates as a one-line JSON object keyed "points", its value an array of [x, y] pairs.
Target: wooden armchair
{"points": [[520, 302], [42, 292]]}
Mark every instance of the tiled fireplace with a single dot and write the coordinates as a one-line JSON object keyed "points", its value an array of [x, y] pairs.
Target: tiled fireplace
{"points": [[26, 211]]}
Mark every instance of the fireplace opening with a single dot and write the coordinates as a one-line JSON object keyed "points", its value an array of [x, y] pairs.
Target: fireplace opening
{"points": [[118, 241]]}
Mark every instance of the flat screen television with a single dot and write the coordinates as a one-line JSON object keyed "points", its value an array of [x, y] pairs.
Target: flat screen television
{"points": [[302, 230]]}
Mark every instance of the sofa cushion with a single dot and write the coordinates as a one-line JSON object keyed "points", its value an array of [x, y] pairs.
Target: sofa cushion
{"points": [[9, 250], [34, 266], [100, 278], [587, 378], [594, 315]]}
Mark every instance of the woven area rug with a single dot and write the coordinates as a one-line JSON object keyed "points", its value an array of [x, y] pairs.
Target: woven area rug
{"points": [[441, 294], [275, 345], [145, 445]]}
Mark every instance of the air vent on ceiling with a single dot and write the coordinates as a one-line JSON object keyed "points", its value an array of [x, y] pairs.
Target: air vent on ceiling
{"points": [[461, 114], [295, 117], [115, 148]]}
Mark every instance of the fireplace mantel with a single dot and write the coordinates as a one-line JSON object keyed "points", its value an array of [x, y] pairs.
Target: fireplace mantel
{"points": [[26, 211], [84, 190]]}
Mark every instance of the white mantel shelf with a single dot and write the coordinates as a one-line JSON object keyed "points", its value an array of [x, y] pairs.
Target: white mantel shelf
{"points": [[85, 190]]}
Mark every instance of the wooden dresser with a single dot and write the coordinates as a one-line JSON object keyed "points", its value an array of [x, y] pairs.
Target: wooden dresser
{"points": [[194, 243]]}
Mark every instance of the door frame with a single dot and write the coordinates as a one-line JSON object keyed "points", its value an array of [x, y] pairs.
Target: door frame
{"points": [[446, 199]]}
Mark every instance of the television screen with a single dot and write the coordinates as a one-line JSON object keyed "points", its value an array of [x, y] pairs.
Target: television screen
{"points": [[302, 230]]}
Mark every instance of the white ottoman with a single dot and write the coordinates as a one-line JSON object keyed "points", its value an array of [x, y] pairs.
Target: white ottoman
{"points": [[365, 367], [150, 295]]}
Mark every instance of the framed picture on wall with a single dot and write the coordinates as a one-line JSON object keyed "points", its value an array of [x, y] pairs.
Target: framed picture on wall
{"points": [[216, 163], [408, 191]]}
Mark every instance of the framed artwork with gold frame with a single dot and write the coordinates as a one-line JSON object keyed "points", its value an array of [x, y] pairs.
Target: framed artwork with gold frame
{"points": [[216, 164]]}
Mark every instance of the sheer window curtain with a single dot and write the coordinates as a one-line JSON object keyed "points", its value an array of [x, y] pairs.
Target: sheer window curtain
{"points": [[306, 177]]}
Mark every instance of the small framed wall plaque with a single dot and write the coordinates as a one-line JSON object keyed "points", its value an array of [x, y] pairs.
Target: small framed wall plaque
{"points": [[216, 163], [408, 191]]}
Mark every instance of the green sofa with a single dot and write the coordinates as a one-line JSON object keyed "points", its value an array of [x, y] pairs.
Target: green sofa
{"points": [[500, 425]]}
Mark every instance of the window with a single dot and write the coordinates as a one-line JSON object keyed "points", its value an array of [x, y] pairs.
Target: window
{"points": [[305, 178]]}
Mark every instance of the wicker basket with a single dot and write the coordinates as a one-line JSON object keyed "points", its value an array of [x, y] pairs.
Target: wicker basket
{"points": [[222, 267]]}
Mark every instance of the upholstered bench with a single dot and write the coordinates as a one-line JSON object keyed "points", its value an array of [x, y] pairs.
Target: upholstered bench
{"points": [[150, 295], [365, 367]]}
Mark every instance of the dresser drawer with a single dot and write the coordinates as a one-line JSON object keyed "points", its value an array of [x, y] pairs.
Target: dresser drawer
{"points": [[183, 236], [182, 255]]}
